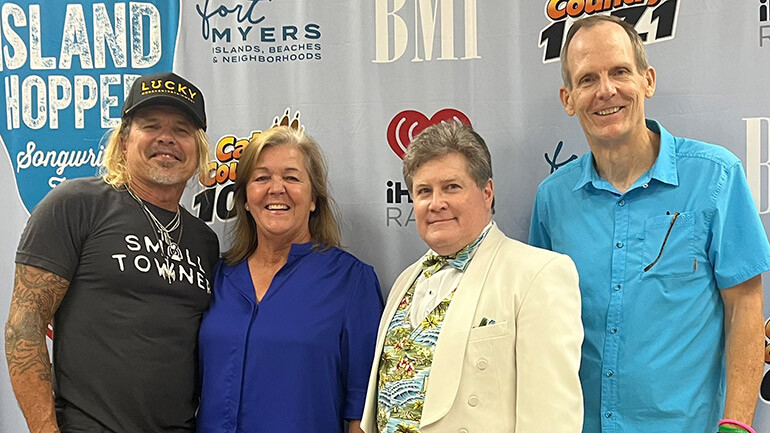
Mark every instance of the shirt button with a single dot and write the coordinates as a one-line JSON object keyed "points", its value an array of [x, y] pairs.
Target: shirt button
{"points": [[607, 414], [622, 203], [462, 430], [482, 364], [610, 373], [645, 185], [614, 330], [473, 401], [617, 287], [619, 244]]}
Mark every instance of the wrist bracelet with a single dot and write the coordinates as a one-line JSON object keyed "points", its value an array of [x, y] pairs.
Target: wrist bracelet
{"points": [[726, 429], [740, 424]]}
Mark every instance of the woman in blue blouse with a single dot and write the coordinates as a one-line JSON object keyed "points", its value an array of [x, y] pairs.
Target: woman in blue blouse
{"points": [[288, 341]]}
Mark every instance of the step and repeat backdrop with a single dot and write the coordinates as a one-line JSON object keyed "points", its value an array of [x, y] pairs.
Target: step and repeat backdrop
{"points": [[363, 77]]}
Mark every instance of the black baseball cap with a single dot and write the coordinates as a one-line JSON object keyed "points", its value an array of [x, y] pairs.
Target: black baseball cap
{"points": [[166, 88]]}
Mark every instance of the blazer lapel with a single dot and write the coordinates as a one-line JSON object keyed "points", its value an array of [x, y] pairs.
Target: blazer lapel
{"points": [[444, 378]]}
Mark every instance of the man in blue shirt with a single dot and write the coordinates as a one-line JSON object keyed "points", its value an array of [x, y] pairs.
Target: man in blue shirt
{"points": [[668, 245]]}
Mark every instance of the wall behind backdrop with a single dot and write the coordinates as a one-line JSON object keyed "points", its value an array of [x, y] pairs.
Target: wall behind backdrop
{"points": [[364, 77]]}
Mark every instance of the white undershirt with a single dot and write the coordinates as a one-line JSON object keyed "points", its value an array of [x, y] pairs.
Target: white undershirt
{"points": [[429, 292]]}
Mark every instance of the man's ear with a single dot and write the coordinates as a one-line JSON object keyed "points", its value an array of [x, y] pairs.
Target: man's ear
{"points": [[565, 97], [122, 140], [489, 193], [649, 77]]}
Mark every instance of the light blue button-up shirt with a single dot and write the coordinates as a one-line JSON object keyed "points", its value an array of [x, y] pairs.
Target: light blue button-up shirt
{"points": [[653, 355]]}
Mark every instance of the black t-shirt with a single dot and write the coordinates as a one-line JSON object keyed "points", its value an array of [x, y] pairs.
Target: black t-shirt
{"points": [[125, 339]]}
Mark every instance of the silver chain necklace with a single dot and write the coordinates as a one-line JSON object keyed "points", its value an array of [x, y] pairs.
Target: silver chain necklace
{"points": [[169, 249]]}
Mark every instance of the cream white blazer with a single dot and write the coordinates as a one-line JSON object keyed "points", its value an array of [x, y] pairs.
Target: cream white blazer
{"points": [[518, 375]]}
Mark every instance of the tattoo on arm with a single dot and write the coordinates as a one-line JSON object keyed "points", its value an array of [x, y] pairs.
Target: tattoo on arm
{"points": [[36, 297]]}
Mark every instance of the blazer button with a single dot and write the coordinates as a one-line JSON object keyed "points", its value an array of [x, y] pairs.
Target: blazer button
{"points": [[462, 430], [473, 401], [482, 364]]}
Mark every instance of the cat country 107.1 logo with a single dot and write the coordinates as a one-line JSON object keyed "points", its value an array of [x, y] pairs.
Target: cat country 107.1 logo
{"points": [[215, 200], [654, 20]]}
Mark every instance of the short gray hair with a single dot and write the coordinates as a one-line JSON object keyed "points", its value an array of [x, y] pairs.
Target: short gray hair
{"points": [[445, 138], [640, 55]]}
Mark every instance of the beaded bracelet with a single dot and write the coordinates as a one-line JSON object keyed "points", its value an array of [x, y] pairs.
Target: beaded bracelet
{"points": [[742, 425]]}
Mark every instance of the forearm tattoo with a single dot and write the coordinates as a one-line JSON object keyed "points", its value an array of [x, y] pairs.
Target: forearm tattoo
{"points": [[36, 296]]}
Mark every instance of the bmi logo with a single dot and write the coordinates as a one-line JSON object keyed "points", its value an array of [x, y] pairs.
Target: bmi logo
{"points": [[453, 22], [654, 20]]}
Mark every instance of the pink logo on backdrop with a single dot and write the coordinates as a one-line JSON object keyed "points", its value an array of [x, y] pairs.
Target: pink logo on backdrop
{"points": [[408, 123]]}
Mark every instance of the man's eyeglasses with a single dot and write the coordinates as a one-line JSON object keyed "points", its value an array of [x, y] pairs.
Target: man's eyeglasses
{"points": [[670, 226]]}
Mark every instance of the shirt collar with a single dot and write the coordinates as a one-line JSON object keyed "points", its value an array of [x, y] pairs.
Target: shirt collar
{"points": [[663, 170], [298, 251]]}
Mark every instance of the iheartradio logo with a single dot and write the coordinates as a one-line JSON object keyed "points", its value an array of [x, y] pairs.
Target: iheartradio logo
{"points": [[409, 123]]}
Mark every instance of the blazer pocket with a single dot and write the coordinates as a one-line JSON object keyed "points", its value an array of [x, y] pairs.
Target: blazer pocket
{"points": [[498, 329]]}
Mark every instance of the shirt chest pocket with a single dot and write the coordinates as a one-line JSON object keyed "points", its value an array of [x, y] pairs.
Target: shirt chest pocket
{"points": [[668, 246]]}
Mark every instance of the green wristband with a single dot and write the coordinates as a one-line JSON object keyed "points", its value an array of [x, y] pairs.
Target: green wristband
{"points": [[726, 429]]}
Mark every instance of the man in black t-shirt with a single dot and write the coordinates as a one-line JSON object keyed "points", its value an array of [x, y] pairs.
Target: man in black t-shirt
{"points": [[124, 272]]}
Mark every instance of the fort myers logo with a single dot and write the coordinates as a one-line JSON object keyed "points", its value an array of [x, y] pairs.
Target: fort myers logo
{"points": [[654, 20], [244, 34], [400, 132]]}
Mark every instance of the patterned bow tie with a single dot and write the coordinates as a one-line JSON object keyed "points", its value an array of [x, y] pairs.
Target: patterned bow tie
{"points": [[434, 262], [458, 260]]}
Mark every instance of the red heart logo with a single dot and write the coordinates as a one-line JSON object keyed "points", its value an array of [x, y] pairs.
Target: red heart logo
{"points": [[408, 123]]}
